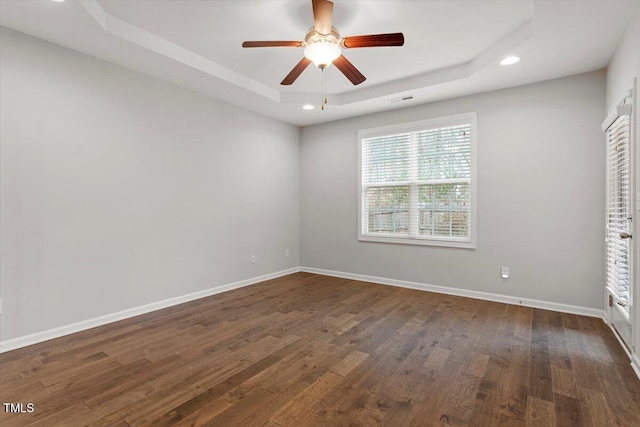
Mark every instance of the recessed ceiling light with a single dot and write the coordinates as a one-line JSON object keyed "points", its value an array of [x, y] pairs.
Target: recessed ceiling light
{"points": [[58, 1], [510, 60], [308, 107]]}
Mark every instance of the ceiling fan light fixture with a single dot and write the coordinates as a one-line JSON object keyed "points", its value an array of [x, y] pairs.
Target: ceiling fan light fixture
{"points": [[323, 46], [322, 53]]}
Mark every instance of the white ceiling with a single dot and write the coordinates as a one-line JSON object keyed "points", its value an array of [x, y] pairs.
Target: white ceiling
{"points": [[451, 47]]}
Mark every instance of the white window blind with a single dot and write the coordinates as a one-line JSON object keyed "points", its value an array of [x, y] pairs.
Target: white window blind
{"points": [[618, 211], [416, 182]]}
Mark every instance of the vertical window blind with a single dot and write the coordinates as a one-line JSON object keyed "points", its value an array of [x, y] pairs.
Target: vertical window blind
{"points": [[416, 184], [618, 211]]}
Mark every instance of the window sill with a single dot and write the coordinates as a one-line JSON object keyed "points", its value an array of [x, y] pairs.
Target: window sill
{"points": [[419, 242]]}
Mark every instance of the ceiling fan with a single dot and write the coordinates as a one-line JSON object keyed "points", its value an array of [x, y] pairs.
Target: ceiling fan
{"points": [[323, 45]]}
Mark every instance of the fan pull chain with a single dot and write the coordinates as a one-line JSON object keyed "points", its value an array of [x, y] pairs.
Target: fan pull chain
{"points": [[324, 88]]}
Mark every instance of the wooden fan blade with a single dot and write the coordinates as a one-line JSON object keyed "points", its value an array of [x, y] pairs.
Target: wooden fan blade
{"points": [[373, 40], [273, 43], [322, 11], [295, 73], [349, 70]]}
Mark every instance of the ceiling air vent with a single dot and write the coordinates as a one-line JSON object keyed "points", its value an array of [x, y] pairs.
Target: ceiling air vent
{"points": [[402, 98]]}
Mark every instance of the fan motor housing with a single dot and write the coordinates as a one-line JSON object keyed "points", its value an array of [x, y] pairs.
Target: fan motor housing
{"points": [[314, 37]]}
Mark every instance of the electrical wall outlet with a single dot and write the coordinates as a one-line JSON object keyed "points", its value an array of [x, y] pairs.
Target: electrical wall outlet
{"points": [[252, 259], [504, 272], [286, 253]]}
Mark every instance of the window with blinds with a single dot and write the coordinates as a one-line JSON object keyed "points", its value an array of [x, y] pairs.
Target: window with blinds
{"points": [[619, 211], [417, 182]]}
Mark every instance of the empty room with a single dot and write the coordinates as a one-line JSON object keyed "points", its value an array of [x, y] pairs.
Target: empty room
{"points": [[312, 212]]}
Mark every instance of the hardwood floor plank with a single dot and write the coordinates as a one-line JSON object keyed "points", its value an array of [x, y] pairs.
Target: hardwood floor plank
{"points": [[540, 381], [569, 411], [347, 364], [462, 401], [199, 417], [477, 364], [298, 409], [595, 407], [540, 413], [211, 397], [436, 401], [437, 359], [353, 393], [558, 352], [507, 421], [486, 410], [584, 371], [99, 414], [54, 399], [15, 392], [245, 411], [623, 405], [495, 376], [72, 415], [513, 402], [156, 370], [305, 350], [52, 375], [564, 382], [399, 398]]}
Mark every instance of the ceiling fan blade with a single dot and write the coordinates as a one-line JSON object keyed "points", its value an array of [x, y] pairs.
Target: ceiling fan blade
{"points": [[273, 43], [322, 11], [373, 40], [349, 70], [295, 73]]}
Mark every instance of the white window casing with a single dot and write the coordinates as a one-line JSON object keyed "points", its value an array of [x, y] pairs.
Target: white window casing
{"points": [[417, 182], [618, 209]]}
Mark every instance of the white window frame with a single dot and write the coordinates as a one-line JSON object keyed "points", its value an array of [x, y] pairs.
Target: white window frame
{"points": [[454, 120]]}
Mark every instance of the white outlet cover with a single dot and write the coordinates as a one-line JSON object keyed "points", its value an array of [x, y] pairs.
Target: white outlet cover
{"points": [[504, 272]]}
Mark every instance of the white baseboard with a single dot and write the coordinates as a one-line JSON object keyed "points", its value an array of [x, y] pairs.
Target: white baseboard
{"points": [[564, 308], [635, 364], [635, 361], [38, 337], [49, 334]]}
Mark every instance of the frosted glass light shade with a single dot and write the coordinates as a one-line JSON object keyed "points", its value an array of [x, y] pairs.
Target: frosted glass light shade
{"points": [[322, 53]]}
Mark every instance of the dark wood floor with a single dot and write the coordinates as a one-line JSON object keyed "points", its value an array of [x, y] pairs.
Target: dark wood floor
{"points": [[308, 350]]}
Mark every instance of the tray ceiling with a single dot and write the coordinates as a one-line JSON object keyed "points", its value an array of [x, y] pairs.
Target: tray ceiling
{"points": [[451, 48]]}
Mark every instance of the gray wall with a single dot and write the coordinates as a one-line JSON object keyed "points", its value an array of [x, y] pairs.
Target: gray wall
{"points": [[540, 188], [118, 190]]}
